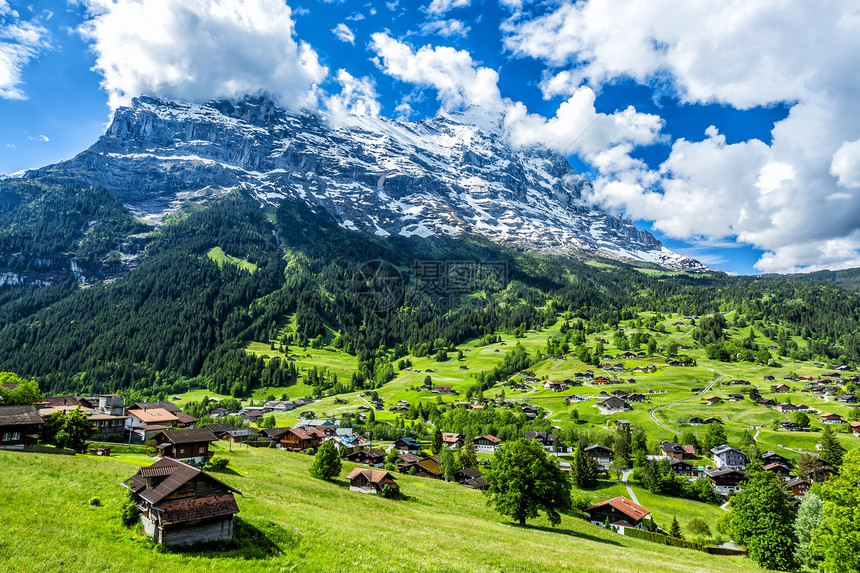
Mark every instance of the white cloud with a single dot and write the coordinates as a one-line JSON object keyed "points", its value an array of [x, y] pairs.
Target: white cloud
{"points": [[846, 164], [20, 42], [795, 197], [442, 6], [445, 28], [40, 138], [605, 140], [344, 34], [200, 49], [459, 81], [357, 97]]}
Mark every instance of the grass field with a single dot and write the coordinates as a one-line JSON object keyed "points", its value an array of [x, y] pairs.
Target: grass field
{"points": [[218, 255], [48, 525]]}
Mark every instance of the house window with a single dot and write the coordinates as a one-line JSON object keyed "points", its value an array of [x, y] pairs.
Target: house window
{"points": [[11, 436], [201, 450], [181, 451]]}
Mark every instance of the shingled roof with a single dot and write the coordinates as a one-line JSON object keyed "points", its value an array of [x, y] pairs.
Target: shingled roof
{"points": [[19, 416], [198, 508], [177, 474], [189, 436]]}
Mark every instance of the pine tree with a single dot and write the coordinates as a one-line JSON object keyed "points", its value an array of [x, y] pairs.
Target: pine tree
{"points": [[831, 450], [436, 445], [468, 457], [327, 464], [675, 529]]}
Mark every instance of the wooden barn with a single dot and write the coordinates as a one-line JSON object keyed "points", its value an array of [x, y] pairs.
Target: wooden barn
{"points": [[189, 446], [182, 505], [19, 426]]}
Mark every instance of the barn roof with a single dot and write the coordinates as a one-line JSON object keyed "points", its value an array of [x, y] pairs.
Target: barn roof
{"points": [[175, 473], [198, 508], [189, 436], [19, 416], [624, 505]]}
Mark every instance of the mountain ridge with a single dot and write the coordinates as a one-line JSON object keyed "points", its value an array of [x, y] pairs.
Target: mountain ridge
{"points": [[439, 176]]}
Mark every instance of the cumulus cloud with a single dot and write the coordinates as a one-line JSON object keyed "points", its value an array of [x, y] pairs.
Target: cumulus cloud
{"points": [[357, 97], [200, 49], [442, 6], [344, 34], [794, 197], [445, 28], [605, 140], [20, 41], [459, 81]]}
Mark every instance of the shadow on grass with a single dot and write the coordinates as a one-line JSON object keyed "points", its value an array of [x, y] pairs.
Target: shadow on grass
{"points": [[257, 539], [225, 471], [570, 532]]}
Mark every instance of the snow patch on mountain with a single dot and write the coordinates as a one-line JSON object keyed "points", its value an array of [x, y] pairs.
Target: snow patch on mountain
{"points": [[444, 175]]}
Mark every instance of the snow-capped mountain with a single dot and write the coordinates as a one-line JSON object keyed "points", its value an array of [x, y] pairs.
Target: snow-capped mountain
{"points": [[438, 176]]}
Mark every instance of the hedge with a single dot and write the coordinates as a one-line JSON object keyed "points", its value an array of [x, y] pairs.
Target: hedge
{"points": [[660, 538]]}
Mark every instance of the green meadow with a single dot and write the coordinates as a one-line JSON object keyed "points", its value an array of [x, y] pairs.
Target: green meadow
{"points": [[49, 525]]}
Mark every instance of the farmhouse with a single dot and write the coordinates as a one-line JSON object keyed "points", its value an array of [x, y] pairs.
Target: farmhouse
{"points": [[735, 397], [830, 418], [855, 428], [728, 457], [368, 457], [675, 451], [295, 439], [781, 470], [429, 467], [407, 445], [683, 468], [546, 439], [471, 478], [369, 481], [781, 388], [452, 440], [620, 511], [555, 386], [600, 454], [798, 487], [487, 444], [711, 400], [19, 426], [726, 480], [188, 446], [612, 405], [181, 505], [774, 458], [696, 421]]}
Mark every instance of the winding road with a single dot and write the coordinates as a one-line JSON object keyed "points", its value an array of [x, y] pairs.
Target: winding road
{"points": [[706, 390]]}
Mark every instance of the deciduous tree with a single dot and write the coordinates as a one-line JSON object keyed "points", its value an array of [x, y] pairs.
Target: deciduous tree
{"points": [[837, 540], [327, 464], [523, 480]]}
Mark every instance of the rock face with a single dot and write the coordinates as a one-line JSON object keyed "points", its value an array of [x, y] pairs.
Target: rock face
{"points": [[438, 176]]}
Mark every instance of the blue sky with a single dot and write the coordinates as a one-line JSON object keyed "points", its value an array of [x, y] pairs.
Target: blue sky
{"points": [[730, 132]]}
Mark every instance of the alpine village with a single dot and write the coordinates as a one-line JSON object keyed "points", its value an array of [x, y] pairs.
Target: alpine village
{"points": [[241, 333]]}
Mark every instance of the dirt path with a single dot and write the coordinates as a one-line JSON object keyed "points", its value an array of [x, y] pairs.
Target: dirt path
{"points": [[700, 394]]}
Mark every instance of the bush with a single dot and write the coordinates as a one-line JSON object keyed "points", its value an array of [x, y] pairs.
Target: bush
{"points": [[130, 513], [390, 491], [95, 502], [218, 463]]}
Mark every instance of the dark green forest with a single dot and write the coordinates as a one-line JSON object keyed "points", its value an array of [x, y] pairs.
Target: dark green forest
{"points": [[178, 318]]}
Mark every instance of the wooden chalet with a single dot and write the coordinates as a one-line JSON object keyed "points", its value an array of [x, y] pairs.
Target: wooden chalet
{"points": [[798, 487], [830, 418], [683, 468], [855, 428], [370, 481], [619, 511], [181, 505], [407, 445], [487, 444], [452, 440], [726, 480], [676, 451], [781, 470], [430, 467], [546, 439], [189, 446], [696, 421], [614, 404], [471, 478], [711, 400], [19, 427], [295, 439], [600, 454], [368, 457], [774, 458]]}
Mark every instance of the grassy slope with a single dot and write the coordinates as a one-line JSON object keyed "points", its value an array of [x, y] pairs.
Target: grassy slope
{"points": [[673, 383], [218, 255], [443, 527]]}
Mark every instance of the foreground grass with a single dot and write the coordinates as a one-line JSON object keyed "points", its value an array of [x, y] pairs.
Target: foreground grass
{"points": [[48, 525]]}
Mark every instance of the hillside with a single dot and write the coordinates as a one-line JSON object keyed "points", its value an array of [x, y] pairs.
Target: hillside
{"points": [[317, 526]]}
